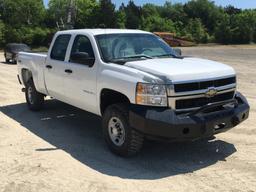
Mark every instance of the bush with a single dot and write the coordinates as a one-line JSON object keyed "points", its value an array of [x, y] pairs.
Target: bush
{"points": [[12, 35], [158, 24], [237, 28], [40, 36], [197, 31], [32, 36], [2, 38]]}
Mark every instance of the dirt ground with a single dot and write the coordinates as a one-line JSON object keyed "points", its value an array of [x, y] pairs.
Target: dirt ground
{"points": [[61, 148]]}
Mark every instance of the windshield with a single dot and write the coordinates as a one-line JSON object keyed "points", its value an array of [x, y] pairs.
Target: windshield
{"points": [[125, 47]]}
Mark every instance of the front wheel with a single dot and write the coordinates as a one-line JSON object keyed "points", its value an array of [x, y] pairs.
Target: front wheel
{"points": [[35, 100], [119, 136]]}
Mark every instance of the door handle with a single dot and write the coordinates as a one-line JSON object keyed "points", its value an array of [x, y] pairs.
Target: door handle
{"points": [[48, 66], [68, 71]]}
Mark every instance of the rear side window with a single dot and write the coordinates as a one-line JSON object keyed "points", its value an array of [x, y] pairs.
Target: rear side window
{"points": [[60, 47]]}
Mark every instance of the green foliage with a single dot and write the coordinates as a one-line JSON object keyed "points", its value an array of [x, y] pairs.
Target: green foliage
{"points": [[231, 10], [133, 15], [57, 11], [208, 13], [197, 30], [2, 29], [237, 28], [29, 35], [107, 16], [224, 31], [152, 21], [28, 21], [22, 12], [86, 12], [121, 19], [246, 27], [175, 12]]}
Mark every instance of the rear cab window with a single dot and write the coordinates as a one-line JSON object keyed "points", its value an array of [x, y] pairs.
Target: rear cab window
{"points": [[60, 47]]}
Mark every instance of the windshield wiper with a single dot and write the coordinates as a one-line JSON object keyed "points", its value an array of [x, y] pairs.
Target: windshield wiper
{"points": [[169, 54], [137, 56], [123, 60]]}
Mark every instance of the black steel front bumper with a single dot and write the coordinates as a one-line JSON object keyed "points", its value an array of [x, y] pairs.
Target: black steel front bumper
{"points": [[205, 122]]}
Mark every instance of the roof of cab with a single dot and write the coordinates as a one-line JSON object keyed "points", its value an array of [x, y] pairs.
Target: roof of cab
{"points": [[102, 31]]}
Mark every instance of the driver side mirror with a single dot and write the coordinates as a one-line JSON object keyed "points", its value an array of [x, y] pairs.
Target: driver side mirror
{"points": [[82, 58], [178, 51]]}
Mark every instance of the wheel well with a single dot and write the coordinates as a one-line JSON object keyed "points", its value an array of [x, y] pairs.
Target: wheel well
{"points": [[26, 75], [109, 97]]}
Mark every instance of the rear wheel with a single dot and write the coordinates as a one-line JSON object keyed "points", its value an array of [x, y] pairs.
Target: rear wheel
{"points": [[35, 100], [120, 137]]}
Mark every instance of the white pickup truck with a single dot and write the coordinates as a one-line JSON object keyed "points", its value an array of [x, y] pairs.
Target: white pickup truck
{"points": [[139, 85]]}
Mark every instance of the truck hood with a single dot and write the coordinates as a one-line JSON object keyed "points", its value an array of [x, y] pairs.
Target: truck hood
{"points": [[185, 69]]}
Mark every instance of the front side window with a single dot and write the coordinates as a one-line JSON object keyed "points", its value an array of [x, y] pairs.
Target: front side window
{"points": [[82, 45], [116, 47], [60, 47], [82, 51]]}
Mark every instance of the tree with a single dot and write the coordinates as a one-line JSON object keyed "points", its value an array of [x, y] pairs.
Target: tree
{"points": [[106, 14], [237, 28], [152, 21], [245, 23], [2, 29], [205, 10], [224, 31], [199, 20], [121, 19], [57, 11], [133, 15], [175, 12], [21, 20], [231, 10], [86, 12], [197, 31], [22, 12]]}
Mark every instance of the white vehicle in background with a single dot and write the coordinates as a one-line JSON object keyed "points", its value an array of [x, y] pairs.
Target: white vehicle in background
{"points": [[137, 83]]}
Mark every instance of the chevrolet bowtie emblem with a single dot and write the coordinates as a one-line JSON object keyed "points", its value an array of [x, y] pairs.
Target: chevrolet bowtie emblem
{"points": [[211, 92]]}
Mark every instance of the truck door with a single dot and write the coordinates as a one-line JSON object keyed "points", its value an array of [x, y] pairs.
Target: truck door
{"points": [[80, 77], [55, 65]]}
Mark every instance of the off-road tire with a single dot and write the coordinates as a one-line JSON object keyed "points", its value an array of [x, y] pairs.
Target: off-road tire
{"points": [[35, 100], [133, 140]]}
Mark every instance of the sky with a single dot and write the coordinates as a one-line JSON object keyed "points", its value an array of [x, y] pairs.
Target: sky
{"points": [[244, 4]]}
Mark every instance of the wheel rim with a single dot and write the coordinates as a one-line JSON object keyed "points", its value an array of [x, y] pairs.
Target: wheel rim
{"points": [[30, 97], [116, 131]]}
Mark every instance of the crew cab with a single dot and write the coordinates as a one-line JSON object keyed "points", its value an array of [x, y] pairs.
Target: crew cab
{"points": [[139, 85]]}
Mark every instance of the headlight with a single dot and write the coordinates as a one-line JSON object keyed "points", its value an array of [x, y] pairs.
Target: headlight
{"points": [[151, 94]]}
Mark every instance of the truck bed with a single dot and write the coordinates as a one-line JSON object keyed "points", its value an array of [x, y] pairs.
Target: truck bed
{"points": [[35, 63]]}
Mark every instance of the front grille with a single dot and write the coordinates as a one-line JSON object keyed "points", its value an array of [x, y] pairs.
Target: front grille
{"points": [[203, 84], [199, 102]]}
